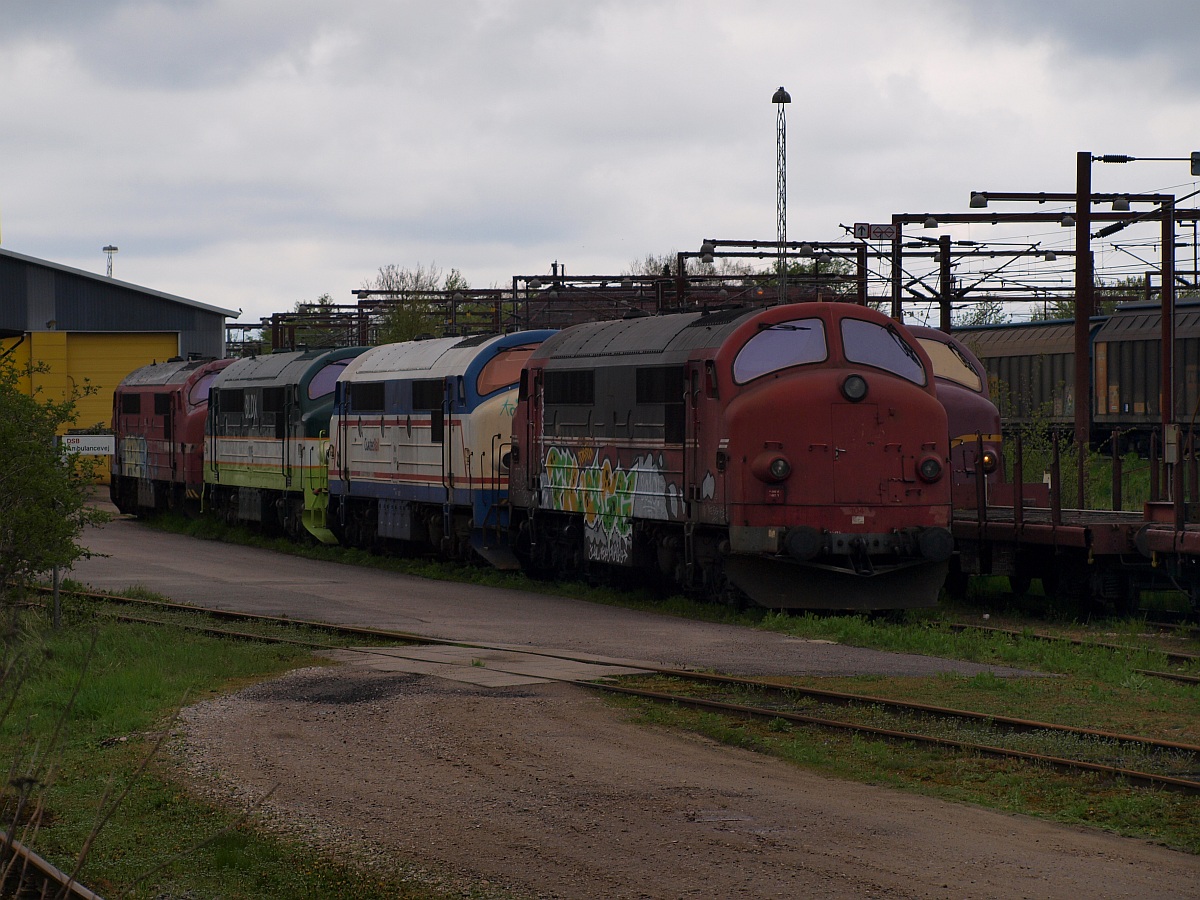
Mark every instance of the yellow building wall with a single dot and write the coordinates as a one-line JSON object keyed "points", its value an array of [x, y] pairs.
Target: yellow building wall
{"points": [[100, 360]]}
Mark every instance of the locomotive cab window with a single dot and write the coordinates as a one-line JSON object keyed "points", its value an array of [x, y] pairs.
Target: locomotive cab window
{"points": [[429, 395], [162, 404], [231, 401], [321, 384], [949, 363], [131, 404], [781, 345], [572, 387], [199, 392], [504, 369], [664, 387], [272, 401], [366, 396], [883, 347]]}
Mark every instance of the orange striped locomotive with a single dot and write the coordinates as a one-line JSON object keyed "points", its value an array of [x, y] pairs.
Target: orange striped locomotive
{"points": [[794, 456]]}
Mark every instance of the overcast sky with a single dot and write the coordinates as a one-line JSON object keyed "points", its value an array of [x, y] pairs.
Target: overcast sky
{"points": [[253, 153]]}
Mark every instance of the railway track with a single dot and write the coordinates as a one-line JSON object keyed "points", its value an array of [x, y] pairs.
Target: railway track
{"points": [[1171, 656], [1177, 764]]}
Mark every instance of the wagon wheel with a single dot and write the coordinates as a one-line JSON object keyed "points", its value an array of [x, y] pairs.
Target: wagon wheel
{"points": [[957, 582], [1019, 583], [1068, 587]]}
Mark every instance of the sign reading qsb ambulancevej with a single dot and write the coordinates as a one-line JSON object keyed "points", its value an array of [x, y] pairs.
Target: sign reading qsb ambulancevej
{"points": [[88, 444]]}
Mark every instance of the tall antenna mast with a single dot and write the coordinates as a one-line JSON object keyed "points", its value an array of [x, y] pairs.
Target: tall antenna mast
{"points": [[781, 99]]}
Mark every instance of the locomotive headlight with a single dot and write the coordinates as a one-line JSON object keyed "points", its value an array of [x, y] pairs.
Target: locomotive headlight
{"points": [[990, 460], [505, 462], [854, 388], [771, 466], [930, 469]]}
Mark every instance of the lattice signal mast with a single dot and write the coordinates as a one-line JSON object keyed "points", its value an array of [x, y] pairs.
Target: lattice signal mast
{"points": [[781, 99]]}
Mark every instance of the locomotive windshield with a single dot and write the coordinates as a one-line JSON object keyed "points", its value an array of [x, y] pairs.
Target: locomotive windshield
{"points": [[199, 392], [949, 363], [322, 383], [504, 369], [778, 346], [881, 346]]}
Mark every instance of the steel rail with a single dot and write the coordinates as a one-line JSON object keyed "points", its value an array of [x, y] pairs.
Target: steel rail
{"points": [[816, 693], [1146, 778], [1079, 642], [1170, 676], [1010, 722], [766, 713]]}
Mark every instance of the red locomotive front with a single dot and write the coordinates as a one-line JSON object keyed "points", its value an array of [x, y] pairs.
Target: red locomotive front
{"points": [[158, 421], [794, 456]]}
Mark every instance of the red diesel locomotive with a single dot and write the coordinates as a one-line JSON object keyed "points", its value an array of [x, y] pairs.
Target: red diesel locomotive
{"points": [[158, 420], [794, 456]]}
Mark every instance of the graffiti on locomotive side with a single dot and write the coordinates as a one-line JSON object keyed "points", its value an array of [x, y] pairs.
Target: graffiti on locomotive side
{"points": [[134, 460], [608, 497], [603, 495]]}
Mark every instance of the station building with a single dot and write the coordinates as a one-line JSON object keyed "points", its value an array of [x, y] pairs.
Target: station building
{"points": [[88, 328]]}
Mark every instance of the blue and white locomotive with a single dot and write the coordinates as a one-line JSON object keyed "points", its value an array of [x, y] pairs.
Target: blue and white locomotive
{"points": [[420, 440]]}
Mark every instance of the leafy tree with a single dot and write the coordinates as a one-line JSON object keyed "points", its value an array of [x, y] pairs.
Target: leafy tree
{"points": [[412, 312], [985, 311], [666, 264], [42, 493]]}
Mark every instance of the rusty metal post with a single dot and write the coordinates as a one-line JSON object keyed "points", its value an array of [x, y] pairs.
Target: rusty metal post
{"points": [[1055, 485], [1193, 471], [897, 267], [1084, 306], [1154, 495], [945, 287], [980, 479], [1018, 476], [1168, 314], [861, 252], [1116, 470]]}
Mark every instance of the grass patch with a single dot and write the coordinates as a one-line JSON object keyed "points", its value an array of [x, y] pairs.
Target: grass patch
{"points": [[135, 678], [1172, 819]]}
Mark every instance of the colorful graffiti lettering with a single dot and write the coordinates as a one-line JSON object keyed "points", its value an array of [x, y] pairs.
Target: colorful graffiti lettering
{"points": [[602, 494]]}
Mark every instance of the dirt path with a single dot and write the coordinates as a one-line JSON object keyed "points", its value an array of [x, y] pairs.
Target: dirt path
{"points": [[545, 791]]}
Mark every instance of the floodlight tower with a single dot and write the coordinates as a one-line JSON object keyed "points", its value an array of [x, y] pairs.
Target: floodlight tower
{"points": [[781, 99], [110, 250]]}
